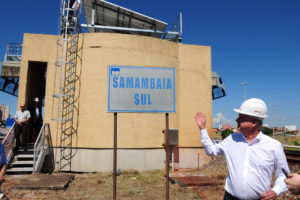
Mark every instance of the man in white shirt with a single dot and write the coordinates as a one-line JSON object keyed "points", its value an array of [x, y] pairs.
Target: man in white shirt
{"points": [[72, 15], [251, 156], [75, 5], [21, 122]]}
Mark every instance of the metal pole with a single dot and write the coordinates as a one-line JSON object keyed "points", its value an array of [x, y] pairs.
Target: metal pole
{"points": [[93, 16], [115, 158], [245, 84], [245, 93], [167, 156], [273, 120], [180, 23]]}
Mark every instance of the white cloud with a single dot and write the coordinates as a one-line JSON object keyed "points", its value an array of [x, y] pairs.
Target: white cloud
{"points": [[221, 120]]}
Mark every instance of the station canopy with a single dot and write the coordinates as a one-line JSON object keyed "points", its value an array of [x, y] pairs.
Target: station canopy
{"points": [[111, 15]]}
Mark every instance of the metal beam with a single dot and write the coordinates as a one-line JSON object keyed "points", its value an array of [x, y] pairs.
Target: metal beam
{"points": [[122, 28]]}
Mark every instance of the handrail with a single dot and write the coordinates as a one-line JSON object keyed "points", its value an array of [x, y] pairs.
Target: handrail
{"points": [[13, 51], [8, 143], [291, 146], [40, 146]]}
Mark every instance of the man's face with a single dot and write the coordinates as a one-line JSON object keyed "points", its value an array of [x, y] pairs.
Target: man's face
{"points": [[22, 107], [245, 122]]}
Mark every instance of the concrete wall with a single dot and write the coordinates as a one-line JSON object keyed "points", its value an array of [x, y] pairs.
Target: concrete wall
{"points": [[192, 157], [141, 131], [91, 160]]}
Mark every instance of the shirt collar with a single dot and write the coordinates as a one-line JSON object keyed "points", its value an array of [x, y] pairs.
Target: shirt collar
{"points": [[257, 139]]}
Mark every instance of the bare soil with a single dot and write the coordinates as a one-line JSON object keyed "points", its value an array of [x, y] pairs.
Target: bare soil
{"points": [[135, 185]]}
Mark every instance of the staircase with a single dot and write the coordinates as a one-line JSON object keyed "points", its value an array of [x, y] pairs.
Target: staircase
{"points": [[22, 162], [31, 160]]}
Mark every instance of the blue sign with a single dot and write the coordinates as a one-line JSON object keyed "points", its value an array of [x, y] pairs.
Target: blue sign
{"points": [[141, 89]]}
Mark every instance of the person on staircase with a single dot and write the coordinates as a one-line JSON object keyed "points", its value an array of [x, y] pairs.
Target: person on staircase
{"points": [[22, 118], [36, 119]]}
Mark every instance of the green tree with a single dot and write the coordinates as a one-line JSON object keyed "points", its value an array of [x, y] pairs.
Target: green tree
{"points": [[226, 133], [296, 143], [267, 130]]}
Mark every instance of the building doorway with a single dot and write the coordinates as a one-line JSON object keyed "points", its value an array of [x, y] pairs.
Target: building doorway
{"points": [[35, 97]]}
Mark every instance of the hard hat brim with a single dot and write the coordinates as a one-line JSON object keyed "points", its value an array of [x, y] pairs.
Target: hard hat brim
{"points": [[245, 113]]}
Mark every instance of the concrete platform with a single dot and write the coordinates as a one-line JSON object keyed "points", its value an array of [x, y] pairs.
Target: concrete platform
{"points": [[41, 181]]}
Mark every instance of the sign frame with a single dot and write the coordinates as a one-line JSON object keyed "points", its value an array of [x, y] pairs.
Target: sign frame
{"points": [[125, 108]]}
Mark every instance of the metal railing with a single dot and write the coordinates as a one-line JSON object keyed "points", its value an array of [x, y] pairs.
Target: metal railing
{"points": [[13, 52], [291, 146], [41, 146], [8, 143]]}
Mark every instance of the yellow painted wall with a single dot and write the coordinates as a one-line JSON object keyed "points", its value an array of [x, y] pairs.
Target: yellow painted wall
{"points": [[135, 130]]}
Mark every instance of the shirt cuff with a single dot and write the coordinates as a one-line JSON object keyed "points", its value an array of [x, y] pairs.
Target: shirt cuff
{"points": [[203, 131], [204, 134], [278, 189]]}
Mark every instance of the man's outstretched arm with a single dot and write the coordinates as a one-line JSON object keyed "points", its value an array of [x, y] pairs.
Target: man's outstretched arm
{"points": [[211, 149]]}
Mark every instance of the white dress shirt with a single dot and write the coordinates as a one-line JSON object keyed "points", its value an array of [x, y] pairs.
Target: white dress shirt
{"points": [[75, 5], [250, 166], [22, 115]]}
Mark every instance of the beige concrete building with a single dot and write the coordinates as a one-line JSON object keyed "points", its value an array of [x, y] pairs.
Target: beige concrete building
{"points": [[140, 136]]}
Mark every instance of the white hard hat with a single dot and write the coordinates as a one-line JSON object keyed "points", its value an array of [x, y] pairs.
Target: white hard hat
{"points": [[253, 107], [36, 99]]}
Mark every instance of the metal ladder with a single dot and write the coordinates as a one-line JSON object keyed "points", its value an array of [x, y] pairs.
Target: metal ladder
{"points": [[63, 104]]}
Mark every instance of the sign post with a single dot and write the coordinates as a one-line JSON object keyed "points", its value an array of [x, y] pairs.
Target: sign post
{"points": [[141, 90], [115, 158], [167, 156]]}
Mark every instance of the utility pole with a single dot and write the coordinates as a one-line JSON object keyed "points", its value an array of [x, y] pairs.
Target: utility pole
{"points": [[273, 120], [245, 84]]}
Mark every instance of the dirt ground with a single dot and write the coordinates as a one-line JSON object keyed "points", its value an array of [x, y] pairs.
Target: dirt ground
{"points": [[99, 186], [134, 185]]}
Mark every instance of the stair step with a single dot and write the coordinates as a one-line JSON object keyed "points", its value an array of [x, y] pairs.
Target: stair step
{"points": [[22, 162], [29, 151], [20, 169], [24, 156]]}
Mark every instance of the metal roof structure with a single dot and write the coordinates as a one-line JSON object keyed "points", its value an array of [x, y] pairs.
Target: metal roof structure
{"points": [[218, 86], [103, 16], [10, 69]]}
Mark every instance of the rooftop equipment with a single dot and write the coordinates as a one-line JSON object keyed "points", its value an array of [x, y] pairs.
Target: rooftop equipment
{"points": [[103, 16]]}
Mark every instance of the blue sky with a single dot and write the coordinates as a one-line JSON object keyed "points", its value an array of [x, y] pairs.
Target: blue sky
{"points": [[254, 41]]}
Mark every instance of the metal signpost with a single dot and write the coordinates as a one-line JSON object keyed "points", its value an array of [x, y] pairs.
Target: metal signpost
{"points": [[144, 90]]}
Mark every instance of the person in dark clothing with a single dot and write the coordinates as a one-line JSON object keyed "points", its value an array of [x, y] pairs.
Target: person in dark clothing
{"points": [[36, 119]]}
